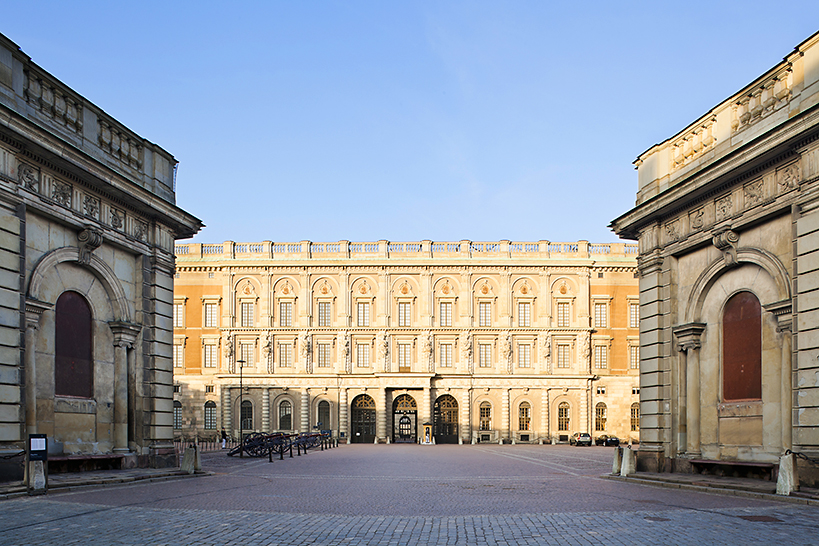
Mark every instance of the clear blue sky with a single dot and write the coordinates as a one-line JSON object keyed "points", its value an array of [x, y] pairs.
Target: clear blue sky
{"points": [[402, 120]]}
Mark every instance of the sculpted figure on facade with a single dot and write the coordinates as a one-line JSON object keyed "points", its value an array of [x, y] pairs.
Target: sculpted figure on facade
{"points": [[384, 350], [506, 350], [267, 351], [428, 350], [345, 350], [584, 344], [228, 349], [465, 339]]}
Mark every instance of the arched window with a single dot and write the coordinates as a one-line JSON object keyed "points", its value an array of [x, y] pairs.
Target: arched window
{"points": [[742, 348], [74, 361], [323, 421], [524, 416], [247, 415], [210, 415], [177, 414], [635, 417], [285, 415], [600, 417], [563, 417], [485, 410]]}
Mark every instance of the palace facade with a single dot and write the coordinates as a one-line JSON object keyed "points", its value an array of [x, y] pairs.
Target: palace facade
{"points": [[489, 342], [87, 227], [727, 220]]}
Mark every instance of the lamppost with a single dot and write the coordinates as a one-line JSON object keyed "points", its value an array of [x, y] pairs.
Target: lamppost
{"points": [[241, 364]]}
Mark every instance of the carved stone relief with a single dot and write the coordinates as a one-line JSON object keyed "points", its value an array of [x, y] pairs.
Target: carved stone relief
{"points": [[61, 193], [789, 177], [724, 206], [753, 192], [672, 231], [91, 206], [117, 218], [697, 219], [27, 176]]}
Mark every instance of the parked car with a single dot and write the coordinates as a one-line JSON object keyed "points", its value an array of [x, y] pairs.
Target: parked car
{"points": [[580, 439], [606, 440]]}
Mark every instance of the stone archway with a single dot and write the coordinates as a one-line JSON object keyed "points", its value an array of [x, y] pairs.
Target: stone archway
{"points": [[363, 419], [404, 419], [445, 420]]}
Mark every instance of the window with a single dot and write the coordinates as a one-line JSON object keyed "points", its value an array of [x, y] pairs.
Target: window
{"points": [[524, 356], [286, 314], [484, 355], [600, 417], [446, 313], [563, 417], [633, 315], [563, 315], [285, 355], [246, 353], [524, 314], [634, 357], [211, 275], [73, 363], [363, 355], [635, 417], [210, 415], [209, 389], [524, 416], [177, 388], [599, 274], [178, 315], [485, 410], [323, 355], [446, 355], [178, 356], [563, 356], [635, 390], [247, 415], [363, 315], [404, 356], [210, 315], [323, 421], [404, 314], [285, 415], [742, 348], [484, 314], [601, 315], [210, 356], [177, 414], [601, 357], [246, 319], [601, 390], [324, 314]]}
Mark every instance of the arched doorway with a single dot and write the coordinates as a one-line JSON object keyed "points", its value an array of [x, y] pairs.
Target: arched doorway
{"points": [[363, 419], [404, 419], [445, 420]]}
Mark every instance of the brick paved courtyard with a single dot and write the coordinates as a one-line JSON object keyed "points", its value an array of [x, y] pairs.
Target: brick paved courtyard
{"points": [[405, 494]]}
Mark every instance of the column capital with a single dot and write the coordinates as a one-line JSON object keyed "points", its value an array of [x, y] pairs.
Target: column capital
{"points": [[688, 335], [783, 312], [34, 310], [125, 333]]}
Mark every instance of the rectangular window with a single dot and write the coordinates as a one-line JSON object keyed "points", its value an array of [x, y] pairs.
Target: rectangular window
{"points": [[524, 416], [177, 415], [485, 416], [484, 355], [633, 315], [404, 314], [323, 355], [635, 417], [484, 314], [524, 356], [324, 314], [246, 354], [446, 313], [247, 318], [363, 315], [601, 390], [178, 356], [601, 357], [286, 314], [404, 356], [601, 315], [209, 389], [563, 315], [446, 355], [285, 355], [563, 356], [210, 356], [178, 315], [524, 314], [210, 416], [635, 390], [363, 355], [210, 315], [634, 357]]}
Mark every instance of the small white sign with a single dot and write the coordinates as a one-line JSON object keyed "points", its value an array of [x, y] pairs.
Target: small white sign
{"points": [[38, 444]]}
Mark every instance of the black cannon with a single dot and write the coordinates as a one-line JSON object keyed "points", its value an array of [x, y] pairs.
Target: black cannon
{"points": [[260, 444]]}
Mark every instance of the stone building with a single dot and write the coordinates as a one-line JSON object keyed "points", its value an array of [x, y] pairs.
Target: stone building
{"points": [[87, 228], [727, 220], [489, 342]]}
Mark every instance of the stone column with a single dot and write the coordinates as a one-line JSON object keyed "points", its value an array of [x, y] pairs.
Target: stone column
{"points": [[688, 343], [505, 414], [782, 311], [381, 416], [265, 409], [304, 425], [227, 417], [424, 406], [544, 415], [584, 409], [343, 425], [465, 427], [34, 310], [125, 335]]}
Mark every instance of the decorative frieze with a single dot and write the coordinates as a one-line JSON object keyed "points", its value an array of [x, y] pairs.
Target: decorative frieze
{"points": [[61, 193], [28, 176]]}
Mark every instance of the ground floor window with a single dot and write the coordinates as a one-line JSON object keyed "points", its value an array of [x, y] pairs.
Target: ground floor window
{"points": [[177, 414], [563, 417], [600, 417], [247, 415], [524, 416], [210, 415], [285, 415], [485, 416], [635, 417]]}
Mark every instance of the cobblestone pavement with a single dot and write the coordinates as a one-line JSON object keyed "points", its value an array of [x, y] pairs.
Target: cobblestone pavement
{"points": [[405, 494]]}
